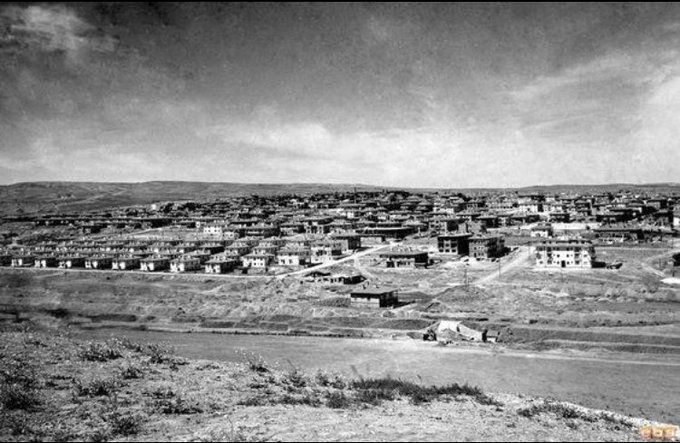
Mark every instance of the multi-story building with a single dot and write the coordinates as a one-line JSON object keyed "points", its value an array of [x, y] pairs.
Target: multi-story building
{"points": [[454, 243], [487, 246], [565, 254]]}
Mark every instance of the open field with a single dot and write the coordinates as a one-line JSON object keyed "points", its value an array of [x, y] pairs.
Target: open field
{"points": [[584, 378], [142, 391]]}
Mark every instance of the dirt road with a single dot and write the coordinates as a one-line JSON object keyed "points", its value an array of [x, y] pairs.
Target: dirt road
{"points": [[518, 259], [337, 262]]}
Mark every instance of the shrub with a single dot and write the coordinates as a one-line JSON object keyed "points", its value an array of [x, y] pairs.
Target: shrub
{"points": [[296, 378], [96, 387], [307, 399], [327, 379], [170, 402], [255, 361], [19, 383], [254, 400], [338, 400], [373, 390], [101, 351], [17, 396], [125, 422], [131, 371], [559, 409]]}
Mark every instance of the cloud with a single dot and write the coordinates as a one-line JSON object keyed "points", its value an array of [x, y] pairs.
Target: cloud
{"points": [[51, 28], [600, 68]]}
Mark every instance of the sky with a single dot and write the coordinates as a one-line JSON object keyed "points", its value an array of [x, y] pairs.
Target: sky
{"points": [[412, 95]]}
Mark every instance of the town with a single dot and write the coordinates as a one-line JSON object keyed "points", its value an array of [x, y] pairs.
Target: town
{"points": [[318, 237]]}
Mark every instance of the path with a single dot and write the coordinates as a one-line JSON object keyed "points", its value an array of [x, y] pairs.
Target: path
{"points": [[519, 259], [337, 262]]}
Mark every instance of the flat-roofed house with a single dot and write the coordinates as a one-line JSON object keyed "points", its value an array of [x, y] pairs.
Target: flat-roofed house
{"points": [[405, 259], [377, 297], [577, 254]]}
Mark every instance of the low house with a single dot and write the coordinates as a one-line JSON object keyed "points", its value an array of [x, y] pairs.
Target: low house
{"points": [[220, 265], [154, 264], [98, 262], [293, 257], [405, 259], [543, 230], [325, 251], [349, 242], [125, 263], [22, 261], [185, 263], [376, 297], [46, 261], [257, 260], [71, 262], [327, 277], [5, 260]]}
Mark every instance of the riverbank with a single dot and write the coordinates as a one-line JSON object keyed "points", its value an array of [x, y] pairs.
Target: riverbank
{"points": [[599, 380], [122, 389]]}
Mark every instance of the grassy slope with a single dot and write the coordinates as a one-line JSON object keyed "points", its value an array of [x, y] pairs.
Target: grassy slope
{"points": [[126, 391]]}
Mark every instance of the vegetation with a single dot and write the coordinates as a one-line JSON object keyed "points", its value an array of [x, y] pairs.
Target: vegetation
{"points": [[55, 388]]}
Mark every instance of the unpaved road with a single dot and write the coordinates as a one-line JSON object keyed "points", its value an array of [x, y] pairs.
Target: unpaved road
{"points": [[519, 259], [337, 262]]}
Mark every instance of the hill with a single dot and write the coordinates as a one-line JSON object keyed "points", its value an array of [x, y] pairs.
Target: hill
{"points": [[80, 196], [30, 197]]}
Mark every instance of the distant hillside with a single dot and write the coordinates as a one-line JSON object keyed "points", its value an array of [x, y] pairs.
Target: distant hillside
{"points": [[82, 196]]}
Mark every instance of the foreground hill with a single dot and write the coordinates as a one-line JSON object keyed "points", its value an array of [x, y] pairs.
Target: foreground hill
{"points": [[33, 197], [56, 388]]}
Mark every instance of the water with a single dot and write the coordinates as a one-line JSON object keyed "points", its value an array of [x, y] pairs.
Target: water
{"points": [[637, 388]]}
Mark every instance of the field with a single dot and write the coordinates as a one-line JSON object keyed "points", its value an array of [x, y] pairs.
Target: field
{"points": [[55, 387]]}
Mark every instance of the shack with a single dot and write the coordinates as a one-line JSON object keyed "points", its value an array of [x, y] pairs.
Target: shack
{"points": [[378, 297]]}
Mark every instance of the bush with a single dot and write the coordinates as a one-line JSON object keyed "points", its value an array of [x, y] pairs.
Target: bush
{"points": [[559, 409], [102, 351], [307, 399], [96, 387], [327, 379], [170, 402], [338, 400], [125, 422], [131, 371], [373, 390], [255, 361], [19, 384], [296, 378], [17, 396]]}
